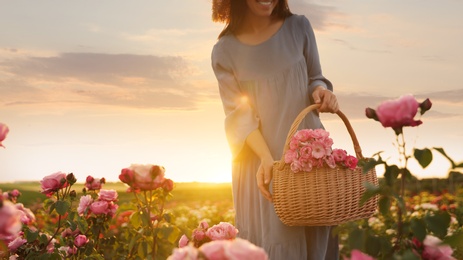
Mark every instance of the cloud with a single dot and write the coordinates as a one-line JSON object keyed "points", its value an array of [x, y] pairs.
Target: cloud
{"points": [[322, 17], [144, 81]]}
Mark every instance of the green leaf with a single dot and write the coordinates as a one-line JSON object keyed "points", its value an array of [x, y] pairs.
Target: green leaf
{"points": [[455, 240], [370, 191], [82, 224], [418, 227], [135, 219], [373, 245], [31, 236], [62, 207], [52, 207], [424, 157], [438, 223], [390, 174], [441, 150], [409, 255], [384, 205], [356, 240], [369, 164]]}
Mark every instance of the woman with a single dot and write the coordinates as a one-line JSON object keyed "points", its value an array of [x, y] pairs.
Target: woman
{"points": [[267, 66]]}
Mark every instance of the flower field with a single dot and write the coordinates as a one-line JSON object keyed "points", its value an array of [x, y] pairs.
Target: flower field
{"points": [[148, 216]]}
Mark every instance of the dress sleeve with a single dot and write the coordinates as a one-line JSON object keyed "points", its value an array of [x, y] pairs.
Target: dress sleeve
{"points": [[314, 69], [240, 117]]}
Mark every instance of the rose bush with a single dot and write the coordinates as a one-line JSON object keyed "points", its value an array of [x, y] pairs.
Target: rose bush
{"points": [[400, 229]]}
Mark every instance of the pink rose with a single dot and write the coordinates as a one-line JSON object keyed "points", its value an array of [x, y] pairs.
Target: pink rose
{"points": [[221, 231], [99, 207], [80, 240], [290, 156], [3, 132], [127, 176], [351, 162], [398, 113], [203, 225], [107, 195], [318, 150], [339, 155], [112, 208], [183, 241], [215, 250], [93, 183], [68, 232], [243, 249], [302, 135], [53, 183], [187, 252], [198, 235], [296, 166], [27, 217], [143, 177], [359, 255], [434, 249], [85, 202], [16, 243], [14, 193], [10, 221], [168, 185]]}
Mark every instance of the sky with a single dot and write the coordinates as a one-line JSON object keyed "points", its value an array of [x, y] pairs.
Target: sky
{"points": [[91, 87]]}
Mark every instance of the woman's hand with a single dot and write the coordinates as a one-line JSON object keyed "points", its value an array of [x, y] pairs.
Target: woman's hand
{"points": [[327, 99], [264, 176]]}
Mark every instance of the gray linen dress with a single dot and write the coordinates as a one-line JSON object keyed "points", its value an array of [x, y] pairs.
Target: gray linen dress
{"points": [[265, 86]]}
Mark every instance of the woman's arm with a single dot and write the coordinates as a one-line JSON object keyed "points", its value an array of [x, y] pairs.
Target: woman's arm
{"points": [[256, 142]]}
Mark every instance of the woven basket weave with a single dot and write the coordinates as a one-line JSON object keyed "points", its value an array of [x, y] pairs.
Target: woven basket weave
{"points": [[323, 196]]}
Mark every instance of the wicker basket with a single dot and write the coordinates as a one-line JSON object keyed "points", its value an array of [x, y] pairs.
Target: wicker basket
{"points": [[323, 196]]}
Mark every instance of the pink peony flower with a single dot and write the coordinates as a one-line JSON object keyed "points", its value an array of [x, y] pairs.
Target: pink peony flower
{"points": [[10, 221], [222, 231], [359, 255], [434, 249], [188, 252], [107, 195], [398, 113], [16, 243], [85, 202], [183, 241], [53, 183], [99, 207], [14, 193], [80, 240], [93, 183], [3, 132], [242, 249]]}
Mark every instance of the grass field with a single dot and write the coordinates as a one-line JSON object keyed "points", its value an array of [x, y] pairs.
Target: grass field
{"points": [[188, 193]]}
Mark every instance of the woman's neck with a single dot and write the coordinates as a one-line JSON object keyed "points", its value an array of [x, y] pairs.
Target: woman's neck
{"points": [[256, 29]]}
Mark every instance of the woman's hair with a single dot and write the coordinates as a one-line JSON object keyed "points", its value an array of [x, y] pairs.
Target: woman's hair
{"points": [[231, 13]]}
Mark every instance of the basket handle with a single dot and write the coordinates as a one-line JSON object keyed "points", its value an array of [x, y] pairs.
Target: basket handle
{"points": [[298, 120]]}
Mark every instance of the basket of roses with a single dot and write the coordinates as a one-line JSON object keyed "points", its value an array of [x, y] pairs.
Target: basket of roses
{"points": [[315, 185]]}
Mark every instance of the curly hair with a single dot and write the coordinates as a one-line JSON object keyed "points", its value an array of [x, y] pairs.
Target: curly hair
{"points": [[231, 13]]}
